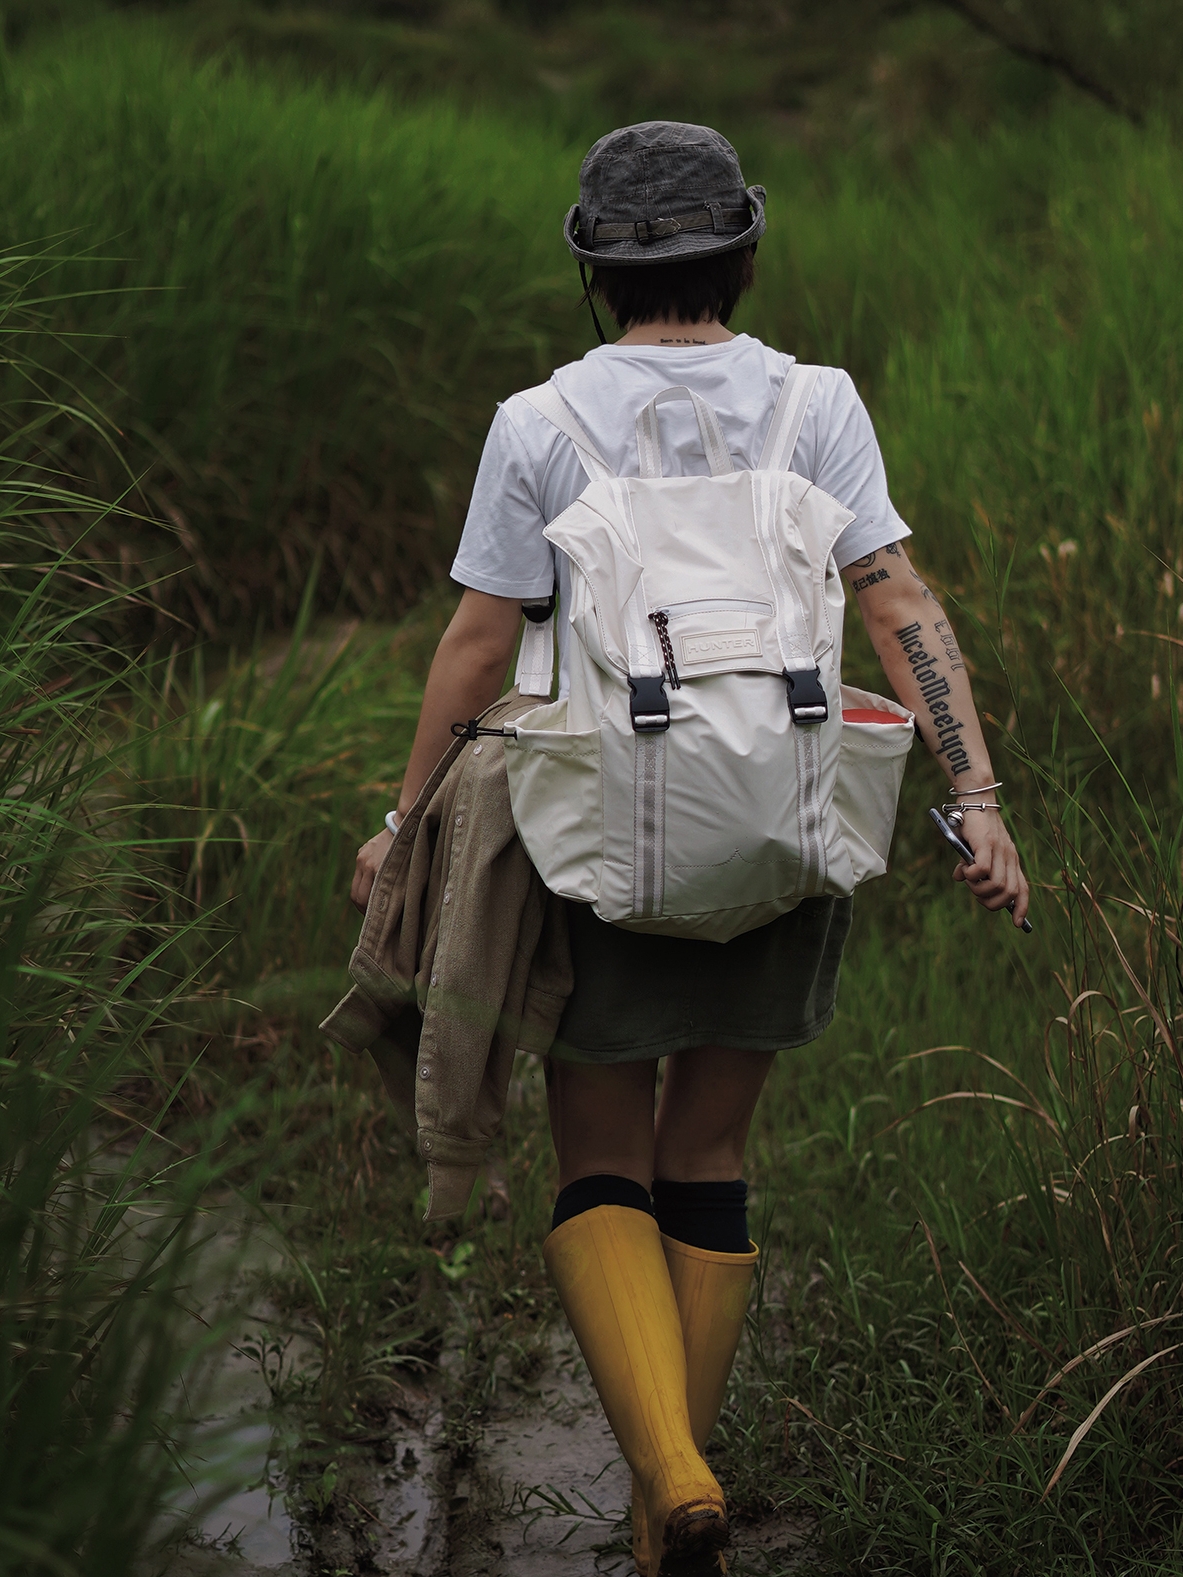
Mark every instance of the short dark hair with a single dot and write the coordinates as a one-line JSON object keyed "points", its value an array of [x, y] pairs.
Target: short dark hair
{"points": [[688, 290]]}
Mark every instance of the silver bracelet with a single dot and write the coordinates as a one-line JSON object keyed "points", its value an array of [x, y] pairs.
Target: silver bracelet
{"points": [[959, 810], [984, 789], [392, 823]]}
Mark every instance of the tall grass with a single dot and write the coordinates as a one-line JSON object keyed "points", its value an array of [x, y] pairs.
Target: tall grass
{"points": [[321, 295], [975, 1366], [956, 1281], [100, 1215], [305, 343]]}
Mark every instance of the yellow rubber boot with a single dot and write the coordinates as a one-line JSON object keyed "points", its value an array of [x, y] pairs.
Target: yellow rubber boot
{"points": [[712, 1292], [614, 1284]]}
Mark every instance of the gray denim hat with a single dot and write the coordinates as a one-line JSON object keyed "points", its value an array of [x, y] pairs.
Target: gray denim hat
{"points": [[659, 191]]}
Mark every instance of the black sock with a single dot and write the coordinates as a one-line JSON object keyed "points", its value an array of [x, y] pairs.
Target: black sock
{"points": [[601, 1188], [713, 1216]]}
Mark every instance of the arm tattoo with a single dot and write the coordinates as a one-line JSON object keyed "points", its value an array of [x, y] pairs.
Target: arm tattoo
{"points": [[861, 582], [922, 586], [935, 689], [865, 563], [949, 641]]}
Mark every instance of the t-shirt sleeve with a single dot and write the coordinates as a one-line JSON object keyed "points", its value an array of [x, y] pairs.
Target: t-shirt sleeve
{"points": [[847, 464], [502, 550]]}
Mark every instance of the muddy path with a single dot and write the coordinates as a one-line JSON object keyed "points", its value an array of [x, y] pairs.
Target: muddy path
{"points": [[527, 1484]]}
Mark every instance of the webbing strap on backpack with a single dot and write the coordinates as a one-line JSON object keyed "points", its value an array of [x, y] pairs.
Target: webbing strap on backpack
{"points": [[536, 656], [548, 402], [777, 455], [785, 426]]}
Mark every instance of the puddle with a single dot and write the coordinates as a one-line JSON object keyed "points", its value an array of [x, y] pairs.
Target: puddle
{"points": [[234, 1500], [406, 1502], [551, 1490], [242, 1448], [389, 1511], [253, 1524]]}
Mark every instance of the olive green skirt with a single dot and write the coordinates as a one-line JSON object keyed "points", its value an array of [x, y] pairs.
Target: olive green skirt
{"points": [[639, 996]]}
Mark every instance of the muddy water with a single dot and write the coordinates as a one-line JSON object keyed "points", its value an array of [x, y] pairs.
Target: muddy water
{"points": [[540, 1491], [241, 1440]]}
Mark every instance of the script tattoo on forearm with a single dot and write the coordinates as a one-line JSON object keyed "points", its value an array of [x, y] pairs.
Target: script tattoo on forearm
{"points": [[935, 689], [949, 641], [861, 582]]}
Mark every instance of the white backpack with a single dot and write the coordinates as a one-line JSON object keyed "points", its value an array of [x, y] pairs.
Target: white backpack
{"points": [[701, 778]]}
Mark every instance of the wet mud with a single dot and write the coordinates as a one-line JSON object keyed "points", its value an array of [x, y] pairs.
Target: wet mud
{"points": [[536, 1488]]}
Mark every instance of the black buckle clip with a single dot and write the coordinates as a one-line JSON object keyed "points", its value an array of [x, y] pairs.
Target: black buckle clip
{"points": [[539, 612], [470, 730], [807, 699], [648, 705]]}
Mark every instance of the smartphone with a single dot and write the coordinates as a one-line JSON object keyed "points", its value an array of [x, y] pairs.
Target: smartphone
{"points": [[956, 841]]}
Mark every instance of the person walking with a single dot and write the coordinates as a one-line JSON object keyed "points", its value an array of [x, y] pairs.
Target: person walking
{"points": [[649, 1247]]}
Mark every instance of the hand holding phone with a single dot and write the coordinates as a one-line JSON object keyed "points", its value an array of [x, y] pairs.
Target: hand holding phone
{"points": [[955, 841]]}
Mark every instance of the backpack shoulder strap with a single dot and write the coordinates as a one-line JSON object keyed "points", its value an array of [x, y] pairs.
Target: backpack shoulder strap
{"points": [[536, 659], [549, 403], [536, 655], [785, 427]]}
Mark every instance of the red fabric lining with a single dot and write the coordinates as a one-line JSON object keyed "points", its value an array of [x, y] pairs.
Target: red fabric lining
{"points": [[862, 715]]}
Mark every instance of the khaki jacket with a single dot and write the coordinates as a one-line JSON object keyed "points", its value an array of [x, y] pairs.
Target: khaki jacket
{"points": [[463, 959]]}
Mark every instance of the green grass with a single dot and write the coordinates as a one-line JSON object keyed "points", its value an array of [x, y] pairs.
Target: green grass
{"points": [[930, 1268], [301, 343], [102, 1366], [317, 296], [302, 379]]}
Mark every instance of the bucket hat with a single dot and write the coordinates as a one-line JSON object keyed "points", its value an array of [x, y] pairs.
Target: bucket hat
{"points": [[662, 190]]}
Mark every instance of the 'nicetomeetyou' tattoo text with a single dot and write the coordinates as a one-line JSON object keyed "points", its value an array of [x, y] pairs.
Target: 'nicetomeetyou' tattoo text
{"points": [[935, 689]]}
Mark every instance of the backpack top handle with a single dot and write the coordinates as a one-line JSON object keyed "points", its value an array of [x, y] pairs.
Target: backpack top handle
{"points": [[649, 433]]}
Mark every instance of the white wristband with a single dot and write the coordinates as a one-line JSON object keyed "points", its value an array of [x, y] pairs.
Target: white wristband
{"points": [[392, 823]]}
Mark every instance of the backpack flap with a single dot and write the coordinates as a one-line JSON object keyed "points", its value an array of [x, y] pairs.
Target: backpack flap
{"points": [[611, 621]]}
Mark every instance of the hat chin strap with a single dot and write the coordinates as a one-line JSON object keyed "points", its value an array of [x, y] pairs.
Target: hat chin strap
{"points": [[587, 296]]}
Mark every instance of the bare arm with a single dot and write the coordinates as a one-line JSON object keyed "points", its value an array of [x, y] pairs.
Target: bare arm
{"points": [[466, 676], [918, 649]]}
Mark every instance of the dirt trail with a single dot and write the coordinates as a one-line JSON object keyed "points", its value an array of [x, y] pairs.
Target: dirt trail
{"points": [[539, 1491]]}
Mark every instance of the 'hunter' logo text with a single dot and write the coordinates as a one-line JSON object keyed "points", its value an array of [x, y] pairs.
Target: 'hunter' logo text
{"points": [[726, 643]]}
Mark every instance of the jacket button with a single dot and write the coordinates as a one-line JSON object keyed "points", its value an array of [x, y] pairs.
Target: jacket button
{"points": [[460, 821], [477, 749], [435, 980], [425, 1072], [448, 896], [427, 1144]]}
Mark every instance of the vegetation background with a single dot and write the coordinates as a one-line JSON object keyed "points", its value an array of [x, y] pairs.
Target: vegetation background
{"points": [[265, 272]]}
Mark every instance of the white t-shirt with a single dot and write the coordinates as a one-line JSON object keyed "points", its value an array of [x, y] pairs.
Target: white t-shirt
{"points": [[529, 472]]}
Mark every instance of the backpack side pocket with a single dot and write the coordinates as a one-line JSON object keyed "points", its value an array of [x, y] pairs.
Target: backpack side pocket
{"points": [[556, 792], [876, 737]]}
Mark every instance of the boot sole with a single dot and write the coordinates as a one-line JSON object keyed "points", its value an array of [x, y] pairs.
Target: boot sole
{"points": [[694, 1538]]}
